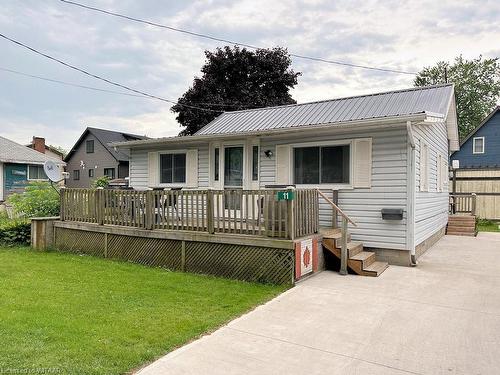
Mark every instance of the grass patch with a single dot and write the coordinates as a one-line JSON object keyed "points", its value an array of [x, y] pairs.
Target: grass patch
{"points": [[487, 226], [85, 315]]}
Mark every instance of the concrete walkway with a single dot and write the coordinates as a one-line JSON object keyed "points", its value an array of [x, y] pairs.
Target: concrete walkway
{"points": [[442, 317]]}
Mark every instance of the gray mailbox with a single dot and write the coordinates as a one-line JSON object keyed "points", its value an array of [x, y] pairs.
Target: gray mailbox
{"points": [[392, 213]]}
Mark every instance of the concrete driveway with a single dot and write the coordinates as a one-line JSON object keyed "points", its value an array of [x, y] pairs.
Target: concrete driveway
{"points": [[442, 317]]}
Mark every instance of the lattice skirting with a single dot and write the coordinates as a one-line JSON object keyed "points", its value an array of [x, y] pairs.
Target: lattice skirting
{"points": [[242, 262]]}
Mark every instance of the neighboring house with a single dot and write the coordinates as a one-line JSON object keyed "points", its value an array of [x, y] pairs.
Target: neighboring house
{"points": [[91, 157], [481, 148], [479, 166], [38, 144], [386, 150], [19, 165]]}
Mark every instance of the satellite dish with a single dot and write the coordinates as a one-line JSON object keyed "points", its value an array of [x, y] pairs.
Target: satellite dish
{"points": [[52, 171]]}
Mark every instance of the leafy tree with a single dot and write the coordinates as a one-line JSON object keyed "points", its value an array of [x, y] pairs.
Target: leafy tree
{"points": [[62, 150], [39, 199], [101, 182], [235, 78], [477, 87]]}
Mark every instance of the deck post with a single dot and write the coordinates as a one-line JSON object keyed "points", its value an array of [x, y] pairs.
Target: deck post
{"points": [[473, 208], [210, 211], [343, 251], [149, 209], [291, 213], [335, 215], [62, 199], [99, 205]]}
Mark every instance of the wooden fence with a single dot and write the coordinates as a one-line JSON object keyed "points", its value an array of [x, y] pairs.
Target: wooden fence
{"points": [[485, 183], [251, 212]]}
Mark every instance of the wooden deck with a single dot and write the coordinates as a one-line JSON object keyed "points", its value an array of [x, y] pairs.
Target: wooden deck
{"points": [[248, 212]]}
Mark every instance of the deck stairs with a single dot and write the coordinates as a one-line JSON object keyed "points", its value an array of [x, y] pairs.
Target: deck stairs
{"points": [[362, 262], [461, 225]]}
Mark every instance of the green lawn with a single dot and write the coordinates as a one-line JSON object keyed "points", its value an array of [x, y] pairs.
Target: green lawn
{"points": [[488, 226], [85, 315]]}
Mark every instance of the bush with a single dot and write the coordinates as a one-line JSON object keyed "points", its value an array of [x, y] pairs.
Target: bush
{"points": [[101, 182], [38, 200], [15, 232]]}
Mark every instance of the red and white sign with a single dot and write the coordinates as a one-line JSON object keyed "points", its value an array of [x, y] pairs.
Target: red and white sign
{"points": [[306, 257]]}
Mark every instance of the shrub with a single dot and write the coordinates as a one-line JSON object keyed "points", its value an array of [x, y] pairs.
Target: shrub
{"points": [[15, 232], [101, 182], [38, 200]]}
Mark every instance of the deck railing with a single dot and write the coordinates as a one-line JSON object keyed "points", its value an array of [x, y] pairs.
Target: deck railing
{"points": [[295, 213], [463, 203]]}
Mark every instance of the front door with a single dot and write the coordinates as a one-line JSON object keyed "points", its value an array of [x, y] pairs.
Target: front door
{"points": [[233, 177]]}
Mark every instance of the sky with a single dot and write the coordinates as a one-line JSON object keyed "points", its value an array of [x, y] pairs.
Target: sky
{"points": [[405, 35]]}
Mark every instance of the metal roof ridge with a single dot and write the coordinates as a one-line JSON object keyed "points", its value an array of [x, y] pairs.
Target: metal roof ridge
{"points": [[417, 88]]}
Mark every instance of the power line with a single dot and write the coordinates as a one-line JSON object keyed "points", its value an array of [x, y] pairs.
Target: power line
{"points": [[105, 79], [103, 90], [70, 83], [217, 39]]}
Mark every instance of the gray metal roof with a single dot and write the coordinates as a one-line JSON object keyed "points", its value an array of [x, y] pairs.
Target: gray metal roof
{"points": [[12, 152], [433, 100]]}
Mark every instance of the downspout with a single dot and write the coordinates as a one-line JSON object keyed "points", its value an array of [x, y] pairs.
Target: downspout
{"points": [[410, 205]]}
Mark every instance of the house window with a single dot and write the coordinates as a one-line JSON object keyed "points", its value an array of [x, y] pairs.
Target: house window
{"points": [[478, 145], [89, 145], [91, 173], [36, 172], [322, 165], [216, 164], [172, 168], [109, 172], [76, 175], [255, 163]]}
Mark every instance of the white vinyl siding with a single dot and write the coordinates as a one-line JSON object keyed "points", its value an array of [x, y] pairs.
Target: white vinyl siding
{"points": [[431, 207], [388, 186], [139, 167]]}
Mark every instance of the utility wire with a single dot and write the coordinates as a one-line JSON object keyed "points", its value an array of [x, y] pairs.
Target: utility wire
{"points": [[103, 90], [70, 84], [217, 39], [104, 79]]}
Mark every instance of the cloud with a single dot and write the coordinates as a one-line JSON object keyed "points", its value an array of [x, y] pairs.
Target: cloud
{"points": [[163, 62]]}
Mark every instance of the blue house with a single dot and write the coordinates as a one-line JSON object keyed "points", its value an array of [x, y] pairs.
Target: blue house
{"points": [[19, 165], [481, 148]]}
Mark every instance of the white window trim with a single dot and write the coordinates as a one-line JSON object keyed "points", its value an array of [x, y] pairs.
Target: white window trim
{"points": [[171, 184], [222, 161], [474, 145], [35, 179], [341, 142]]}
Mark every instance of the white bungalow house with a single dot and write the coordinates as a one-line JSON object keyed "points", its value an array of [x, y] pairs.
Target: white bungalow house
{"points": [[379, 151]]}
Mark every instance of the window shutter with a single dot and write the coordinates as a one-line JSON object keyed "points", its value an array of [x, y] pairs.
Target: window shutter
{"points": [[362, 163], [424, 167], [439, 170], [153, 169], [283, 164], [192, 168]]}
